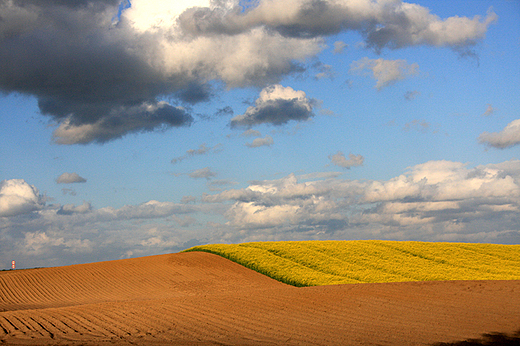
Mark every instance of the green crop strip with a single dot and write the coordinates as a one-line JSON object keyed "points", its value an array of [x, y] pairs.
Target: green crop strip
{"points": [[316, 263]]}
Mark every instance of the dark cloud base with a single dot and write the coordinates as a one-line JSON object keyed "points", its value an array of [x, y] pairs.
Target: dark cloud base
{"points": [[88, 65]]}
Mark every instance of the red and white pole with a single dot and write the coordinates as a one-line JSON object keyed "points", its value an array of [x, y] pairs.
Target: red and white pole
{"points": [[13, 264]]}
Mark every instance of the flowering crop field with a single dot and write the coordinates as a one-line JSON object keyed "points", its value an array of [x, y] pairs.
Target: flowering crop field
{"points": [[315, 263]]}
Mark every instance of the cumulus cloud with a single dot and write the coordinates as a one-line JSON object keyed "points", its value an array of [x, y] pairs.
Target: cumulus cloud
{"points": [[251, 133], [69, 178], [444, 192], [436, 200], [279, 203], [149, 210], [69, 209], [203, 149], [261, 142], [508, 137], [39, 234], [205, 173], [61, 235], [100, 80], [144, 117], [277, 105], [100, 69], [340, 160], [18, 197], [86, 74], [432, 201], [385, 72], [38, 243], [392, 24], [339, 47]]}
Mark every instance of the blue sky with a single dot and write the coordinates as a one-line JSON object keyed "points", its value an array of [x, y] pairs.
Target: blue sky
{"points": [[206, 122]]}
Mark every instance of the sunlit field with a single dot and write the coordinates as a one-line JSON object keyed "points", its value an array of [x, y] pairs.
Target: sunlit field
{"points": [[315, 263]]}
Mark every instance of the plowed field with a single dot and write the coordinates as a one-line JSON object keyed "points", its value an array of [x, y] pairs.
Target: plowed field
{"points": [[202, 299]]}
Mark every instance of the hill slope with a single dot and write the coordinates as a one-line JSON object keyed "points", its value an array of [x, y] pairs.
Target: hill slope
{"points": [[200, 299], [314, 263], [145, 278]]}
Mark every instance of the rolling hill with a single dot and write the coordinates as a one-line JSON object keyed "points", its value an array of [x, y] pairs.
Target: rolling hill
{"points": [[198, 298]]}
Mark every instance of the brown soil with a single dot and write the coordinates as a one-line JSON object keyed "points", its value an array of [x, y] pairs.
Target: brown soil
{"points": [[202, 299]]}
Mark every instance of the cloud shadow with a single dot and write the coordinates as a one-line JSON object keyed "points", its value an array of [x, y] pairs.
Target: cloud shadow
{"points": [[488, 339]]}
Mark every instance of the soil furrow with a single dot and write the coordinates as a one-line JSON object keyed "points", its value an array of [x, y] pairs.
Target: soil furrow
{"points": [[77, 328], [85, 319], [49, 324], [187, 326], [12, 290], [32, 294], [42, 330], [5, 292], [225, 320], [114, 326], [18, 323], [140, 319], [7, 327], [120, 313]]}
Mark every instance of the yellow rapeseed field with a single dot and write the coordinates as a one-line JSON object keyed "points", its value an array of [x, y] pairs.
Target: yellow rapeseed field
{"points": [[315, 263]]}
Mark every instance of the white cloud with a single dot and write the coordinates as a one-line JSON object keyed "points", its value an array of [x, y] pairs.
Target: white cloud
{"points": [[261, 142], [392, 24], [279, 203], [441, 197], [340, 160], [69, 209], [149, 210], [431, 201], [68, 234], [17, 197], [385, 72], [251, 133], [255, 57], [69, 178], [205, 173], [508, 137], [276, 105], [38, 243], [339, 47], [146, 15], [176, 49], [158, 242], [203, 149]]}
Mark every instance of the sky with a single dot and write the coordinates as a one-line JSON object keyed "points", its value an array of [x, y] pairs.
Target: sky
{"points": [[143, 127]]}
